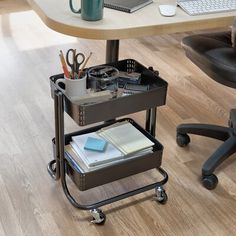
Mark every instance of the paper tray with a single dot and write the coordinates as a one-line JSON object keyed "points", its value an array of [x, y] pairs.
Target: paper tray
{"points": [[110, 109], [116, 171]]}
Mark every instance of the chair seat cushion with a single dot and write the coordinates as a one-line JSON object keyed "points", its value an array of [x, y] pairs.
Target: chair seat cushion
{"points": [[224, 63], [223, 57], [204, 42], [213, 53]]}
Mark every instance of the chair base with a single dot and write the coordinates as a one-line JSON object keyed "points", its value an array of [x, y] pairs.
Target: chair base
{"points": [[225, 134]]}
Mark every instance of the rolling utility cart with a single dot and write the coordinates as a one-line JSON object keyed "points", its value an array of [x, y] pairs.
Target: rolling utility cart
{"points": [[108, 111]]}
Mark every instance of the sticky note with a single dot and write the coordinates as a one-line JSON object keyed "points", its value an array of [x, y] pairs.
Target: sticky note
{"points": [[95, 144]]}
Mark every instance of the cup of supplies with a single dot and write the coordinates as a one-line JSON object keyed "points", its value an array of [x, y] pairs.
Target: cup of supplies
{"points": [[91, 10], [73, 87]]}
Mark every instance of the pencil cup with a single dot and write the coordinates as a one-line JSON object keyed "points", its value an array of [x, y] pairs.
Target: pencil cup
{"points": [[91, 10], [73, 87]]}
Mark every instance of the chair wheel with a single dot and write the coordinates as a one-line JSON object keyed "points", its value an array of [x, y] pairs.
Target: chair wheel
{"points": [[182, 140], [209, 181]]}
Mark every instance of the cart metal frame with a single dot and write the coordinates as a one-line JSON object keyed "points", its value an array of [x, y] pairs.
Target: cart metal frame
{"points": [[57, 167]]}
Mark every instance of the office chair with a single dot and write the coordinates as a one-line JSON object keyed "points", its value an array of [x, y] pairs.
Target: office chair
{"points": [[214, 54]]}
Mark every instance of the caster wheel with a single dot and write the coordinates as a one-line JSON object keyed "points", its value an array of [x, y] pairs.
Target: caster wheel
{"points": [[161, 195], [182, 140], [99, 217], [209, 181]]}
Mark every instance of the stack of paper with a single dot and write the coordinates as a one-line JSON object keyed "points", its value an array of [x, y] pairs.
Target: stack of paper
{"points": [[78, 163], [123, 141], [93, 158], [125, 137]]}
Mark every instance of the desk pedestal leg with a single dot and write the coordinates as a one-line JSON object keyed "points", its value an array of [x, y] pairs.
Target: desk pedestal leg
{"points": [[112, 51], [151, 121]]}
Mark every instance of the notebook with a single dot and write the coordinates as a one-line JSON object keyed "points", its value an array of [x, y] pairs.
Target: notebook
{"points": [[125, 137], [126, 5]]}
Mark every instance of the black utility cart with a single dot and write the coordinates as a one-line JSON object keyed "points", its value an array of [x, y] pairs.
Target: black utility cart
{"points": [[84, 114]]}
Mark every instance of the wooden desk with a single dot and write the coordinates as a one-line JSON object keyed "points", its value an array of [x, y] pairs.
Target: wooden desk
{"points": [[118, 25]]}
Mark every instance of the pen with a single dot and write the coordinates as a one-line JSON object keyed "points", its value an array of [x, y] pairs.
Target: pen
{"points": [[64, 66], [83, 66]]}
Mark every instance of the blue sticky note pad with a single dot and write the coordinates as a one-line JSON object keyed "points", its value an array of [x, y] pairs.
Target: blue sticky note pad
{"points": [[95, 144]]}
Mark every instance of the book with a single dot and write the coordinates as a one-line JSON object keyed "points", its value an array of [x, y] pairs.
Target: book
{"points": [[125, 137], [91, 158], [126, 5]]}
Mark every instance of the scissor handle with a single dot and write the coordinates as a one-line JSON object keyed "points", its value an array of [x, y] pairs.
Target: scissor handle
{"points": [[70, 58], [79, 60]]}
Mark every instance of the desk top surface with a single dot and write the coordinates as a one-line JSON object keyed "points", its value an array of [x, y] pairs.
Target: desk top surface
{"points": [[147, 21]]}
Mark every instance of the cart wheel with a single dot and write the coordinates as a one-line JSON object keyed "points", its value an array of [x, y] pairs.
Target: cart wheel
{"points": [[209, 181], [161, 195], [99, 217], [182, 140]]}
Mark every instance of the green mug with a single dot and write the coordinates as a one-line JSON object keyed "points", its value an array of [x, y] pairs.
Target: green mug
{"points": [[90, 10]]}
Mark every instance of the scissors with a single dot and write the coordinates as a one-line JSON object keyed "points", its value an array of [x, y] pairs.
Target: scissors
{"points": [[74, 60]]}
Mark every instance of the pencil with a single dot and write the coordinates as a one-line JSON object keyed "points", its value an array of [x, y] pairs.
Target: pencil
{"points": [[64, 66]]}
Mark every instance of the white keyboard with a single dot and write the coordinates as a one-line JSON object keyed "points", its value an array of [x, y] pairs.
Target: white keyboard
{"points": [[201, 7]]}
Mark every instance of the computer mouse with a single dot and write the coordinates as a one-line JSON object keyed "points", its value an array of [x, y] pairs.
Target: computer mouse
{"points": [[167, 10]]}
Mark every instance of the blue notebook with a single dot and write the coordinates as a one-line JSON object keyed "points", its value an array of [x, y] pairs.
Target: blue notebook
{"points": [[95, 144]]}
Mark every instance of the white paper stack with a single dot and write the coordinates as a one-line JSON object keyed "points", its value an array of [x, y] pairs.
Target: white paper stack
{"points": [[93, 158], [79, 164], [124, 141]]}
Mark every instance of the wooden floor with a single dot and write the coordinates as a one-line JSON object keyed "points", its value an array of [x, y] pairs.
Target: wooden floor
{"points": [[31, 203]]}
